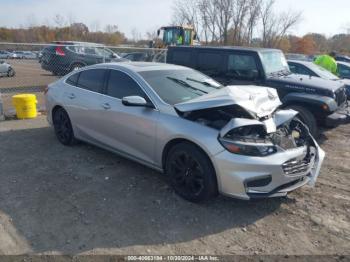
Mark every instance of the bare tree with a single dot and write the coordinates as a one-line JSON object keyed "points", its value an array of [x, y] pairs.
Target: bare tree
{"points": [[275, 26], [59, 20]]}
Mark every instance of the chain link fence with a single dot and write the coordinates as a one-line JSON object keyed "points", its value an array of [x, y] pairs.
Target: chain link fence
{"points": [[29, 68]]}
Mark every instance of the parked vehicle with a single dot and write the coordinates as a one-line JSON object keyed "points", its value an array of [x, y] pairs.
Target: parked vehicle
{"points": [[29, 55], [6, 70], [63, 57], [317, 100], [4, 54], [344, 70], [312, 70], [137, 57], [16, 55], [299, 57], [207, 138], [342, 58]]}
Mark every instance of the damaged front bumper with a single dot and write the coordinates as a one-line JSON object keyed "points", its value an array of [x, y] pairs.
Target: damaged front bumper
{"points": [[339, 117], [249, 177]]}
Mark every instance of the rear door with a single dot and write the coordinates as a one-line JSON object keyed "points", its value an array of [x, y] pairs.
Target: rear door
{"points": [[130, 130], [83, 101]]}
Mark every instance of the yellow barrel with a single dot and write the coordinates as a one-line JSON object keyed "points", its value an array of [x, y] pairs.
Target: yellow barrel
{"points": [[25, 105]]}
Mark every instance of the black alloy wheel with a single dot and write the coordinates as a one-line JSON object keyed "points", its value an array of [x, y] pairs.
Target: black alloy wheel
{"points": [[190, 173], [63, 127]]}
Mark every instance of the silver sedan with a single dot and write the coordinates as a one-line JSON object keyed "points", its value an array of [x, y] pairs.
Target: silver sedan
{"points": [[207, 138]]}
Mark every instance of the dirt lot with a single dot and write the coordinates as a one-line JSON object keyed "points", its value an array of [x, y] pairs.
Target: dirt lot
{"points": [[55, 199], [28, 74]]}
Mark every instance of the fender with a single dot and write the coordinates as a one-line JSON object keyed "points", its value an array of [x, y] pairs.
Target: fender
{"points": [[311, 99]]}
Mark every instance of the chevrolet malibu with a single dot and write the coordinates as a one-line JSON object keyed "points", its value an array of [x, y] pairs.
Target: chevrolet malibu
{"points": [[206, 138]]}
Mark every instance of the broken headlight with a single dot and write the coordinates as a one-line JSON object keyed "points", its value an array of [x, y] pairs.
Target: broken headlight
{"points": [[248, 149]]}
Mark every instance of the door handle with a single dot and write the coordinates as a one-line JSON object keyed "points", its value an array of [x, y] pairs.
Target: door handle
{"points": [[71, 96], [106, 106]]}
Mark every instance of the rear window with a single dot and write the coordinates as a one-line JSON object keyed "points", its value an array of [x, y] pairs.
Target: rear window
{"points": [[92, 80]]}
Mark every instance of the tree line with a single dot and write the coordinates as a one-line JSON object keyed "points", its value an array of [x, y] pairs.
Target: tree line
{"points": [[73, 32], [217, 22], [252, 23]]}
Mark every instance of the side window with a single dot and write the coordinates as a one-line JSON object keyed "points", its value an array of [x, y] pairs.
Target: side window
{"points": [[73, 80], [92, 80], [243, 64], [209, 62], [293, 68], [121, 85], [344, 71], [305, 71]]}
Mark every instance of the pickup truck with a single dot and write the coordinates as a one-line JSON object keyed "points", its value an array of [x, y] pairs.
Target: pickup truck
{"points": [[318, 101]]}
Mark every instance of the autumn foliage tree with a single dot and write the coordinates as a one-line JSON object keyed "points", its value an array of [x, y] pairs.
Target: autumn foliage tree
{"points": [[305, 45]]}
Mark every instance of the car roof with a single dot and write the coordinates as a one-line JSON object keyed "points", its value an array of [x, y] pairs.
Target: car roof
{"points": [[75, 43], [143, 66], [343, 63], [300, 62], [227, 48]]}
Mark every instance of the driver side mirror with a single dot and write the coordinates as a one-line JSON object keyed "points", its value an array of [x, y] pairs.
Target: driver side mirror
{"points": [[158, 32], [136, 101]]}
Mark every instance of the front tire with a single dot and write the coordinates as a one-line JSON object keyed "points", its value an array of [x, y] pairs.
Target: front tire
{"points": [[63, 127], [191, 173], [307, 118]]}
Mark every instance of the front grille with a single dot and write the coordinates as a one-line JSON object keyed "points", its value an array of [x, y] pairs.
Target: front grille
{"points": [[296, 167], [340, 96], [299, 167]]}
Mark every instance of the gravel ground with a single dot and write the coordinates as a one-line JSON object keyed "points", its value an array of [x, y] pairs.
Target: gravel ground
{"points": [[28, 74], [84, 200]]}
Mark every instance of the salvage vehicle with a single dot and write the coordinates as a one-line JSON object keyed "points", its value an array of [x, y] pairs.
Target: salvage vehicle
{"points": [[206, 138], [342, 58], [312, 70], [344, 70], [318, 101], [63, 57], [6, 70]]}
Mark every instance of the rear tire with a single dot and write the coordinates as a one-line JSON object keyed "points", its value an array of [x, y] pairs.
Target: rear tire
{"points": [[63, 127], [190, 173], [307, 118]]}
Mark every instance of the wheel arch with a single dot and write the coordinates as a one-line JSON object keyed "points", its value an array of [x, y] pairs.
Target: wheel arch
{"points": [[177, 141]]}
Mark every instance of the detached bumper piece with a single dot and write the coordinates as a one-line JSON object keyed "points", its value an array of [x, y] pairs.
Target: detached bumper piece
{"points": [[341, 116], [281, 190]]}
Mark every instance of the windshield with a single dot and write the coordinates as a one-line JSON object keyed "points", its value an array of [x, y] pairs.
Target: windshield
{"points": [[323, 73], [274, 62], [178, 86]]}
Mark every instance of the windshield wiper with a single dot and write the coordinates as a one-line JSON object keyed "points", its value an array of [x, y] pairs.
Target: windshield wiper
{"points": [[185, 84], [204, 83]]}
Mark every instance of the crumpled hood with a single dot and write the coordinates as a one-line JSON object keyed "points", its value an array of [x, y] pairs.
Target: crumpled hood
{"points": [[257, 100]]}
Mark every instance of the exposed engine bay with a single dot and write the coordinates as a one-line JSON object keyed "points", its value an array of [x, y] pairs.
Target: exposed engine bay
{"points": [[217, 117], [290, 134]]}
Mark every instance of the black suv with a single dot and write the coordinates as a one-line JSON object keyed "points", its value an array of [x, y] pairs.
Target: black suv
{"points": [[317, 100], [63, 57]]}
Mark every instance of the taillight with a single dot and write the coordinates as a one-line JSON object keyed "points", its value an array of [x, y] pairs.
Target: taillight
{"points": [[59, 51]]}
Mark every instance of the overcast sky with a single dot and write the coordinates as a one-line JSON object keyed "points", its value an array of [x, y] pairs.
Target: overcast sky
{"points": [[324, 16]]}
